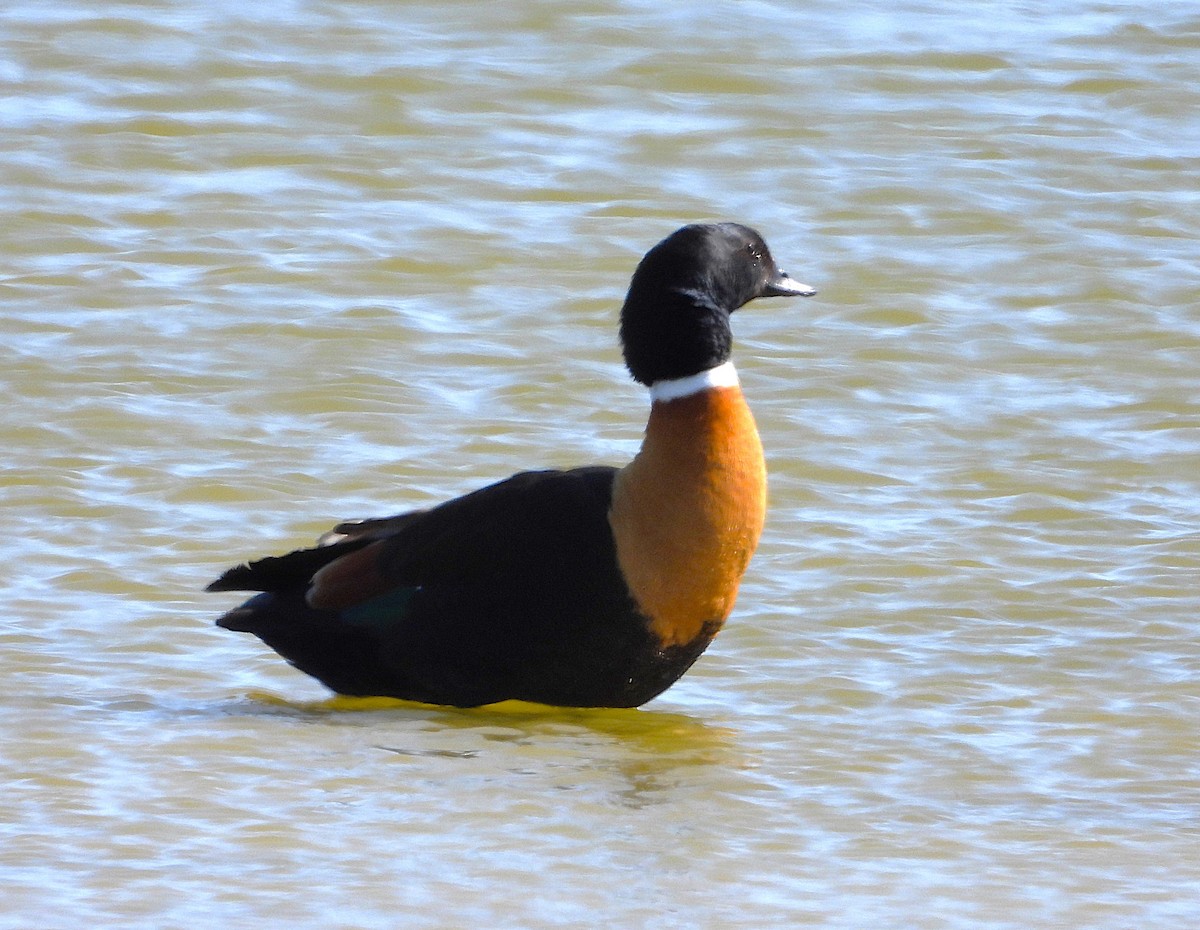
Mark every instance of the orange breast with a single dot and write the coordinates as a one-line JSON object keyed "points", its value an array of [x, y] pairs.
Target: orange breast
{"points": [[687, 512]]}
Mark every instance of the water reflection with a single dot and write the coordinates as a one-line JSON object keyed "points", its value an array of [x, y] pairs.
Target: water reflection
{"points": [[648, 749]]}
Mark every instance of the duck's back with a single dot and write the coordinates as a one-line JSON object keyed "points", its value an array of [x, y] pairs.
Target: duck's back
{"points": [[512, 592]]}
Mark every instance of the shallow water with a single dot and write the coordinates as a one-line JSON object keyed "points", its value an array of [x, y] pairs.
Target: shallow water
{"points": [[265, 268]]}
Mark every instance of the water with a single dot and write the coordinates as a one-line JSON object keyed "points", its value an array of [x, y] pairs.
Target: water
{"points": [[264, 268]]}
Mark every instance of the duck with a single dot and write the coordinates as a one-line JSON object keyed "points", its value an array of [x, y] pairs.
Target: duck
{"points": [[594, 586]]}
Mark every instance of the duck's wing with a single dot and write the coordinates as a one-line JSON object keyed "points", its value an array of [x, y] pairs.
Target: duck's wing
{"points": [[289, 572], [509, 536], [489, 596], [520, 519], [369, 529]]}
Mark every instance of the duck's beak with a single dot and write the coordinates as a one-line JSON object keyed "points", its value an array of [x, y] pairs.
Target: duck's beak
{"points": [[784, 286]]}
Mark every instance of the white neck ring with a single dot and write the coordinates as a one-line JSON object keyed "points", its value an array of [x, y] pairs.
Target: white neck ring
{"points": [[723, 376]]}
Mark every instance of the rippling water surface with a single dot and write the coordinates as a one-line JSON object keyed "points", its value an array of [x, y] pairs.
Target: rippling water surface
{"points": [[268, 266]]}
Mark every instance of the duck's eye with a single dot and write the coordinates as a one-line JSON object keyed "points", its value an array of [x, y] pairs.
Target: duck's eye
{"points": [[754, 251]]}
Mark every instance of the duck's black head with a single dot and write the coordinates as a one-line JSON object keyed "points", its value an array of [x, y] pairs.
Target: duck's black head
{"points": [[675, 321]]}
